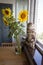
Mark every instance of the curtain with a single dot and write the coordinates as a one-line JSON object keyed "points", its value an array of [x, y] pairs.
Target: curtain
{"points": [[32, 10], [21, 5]]}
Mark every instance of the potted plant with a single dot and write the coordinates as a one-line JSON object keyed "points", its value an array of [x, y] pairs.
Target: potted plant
{"points": [[15, 27]]}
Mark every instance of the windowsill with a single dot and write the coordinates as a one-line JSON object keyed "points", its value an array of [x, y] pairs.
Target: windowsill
{"points": [[40, 41], [39, 46]]}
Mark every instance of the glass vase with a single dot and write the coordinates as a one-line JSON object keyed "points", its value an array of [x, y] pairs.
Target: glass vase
{"points": [[18, 46]]}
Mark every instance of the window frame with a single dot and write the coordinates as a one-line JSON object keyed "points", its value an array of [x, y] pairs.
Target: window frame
{"points": [[39, 45]]}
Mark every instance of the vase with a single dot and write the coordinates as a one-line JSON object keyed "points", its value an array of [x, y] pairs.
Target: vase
{"points": [[18, 45]]}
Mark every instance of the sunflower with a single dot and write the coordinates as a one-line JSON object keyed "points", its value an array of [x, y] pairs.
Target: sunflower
{"points": [[6, 12], [5, 21], [23, 16]]}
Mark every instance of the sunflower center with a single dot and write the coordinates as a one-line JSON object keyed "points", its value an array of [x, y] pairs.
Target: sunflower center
{"points": [[7, 12], [23, 15], [5, 22]]}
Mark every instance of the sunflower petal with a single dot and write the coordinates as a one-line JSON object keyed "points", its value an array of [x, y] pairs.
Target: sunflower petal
{"points": [[23, 16], [5, 21], [7, 12]]}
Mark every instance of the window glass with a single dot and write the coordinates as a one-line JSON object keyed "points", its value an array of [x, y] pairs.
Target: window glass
{"points": [[40, 22]]}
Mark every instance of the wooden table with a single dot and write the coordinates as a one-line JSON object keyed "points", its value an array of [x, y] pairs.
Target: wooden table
{"points": [[8, 57]]}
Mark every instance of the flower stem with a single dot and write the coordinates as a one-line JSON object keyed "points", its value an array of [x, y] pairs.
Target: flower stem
{"points": [[18, 44]]}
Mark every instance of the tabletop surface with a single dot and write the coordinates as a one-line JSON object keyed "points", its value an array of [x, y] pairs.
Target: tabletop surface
{"points": [[9, 57]]}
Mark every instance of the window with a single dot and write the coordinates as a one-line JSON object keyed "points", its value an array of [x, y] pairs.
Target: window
{"points": [[39, 23]]}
